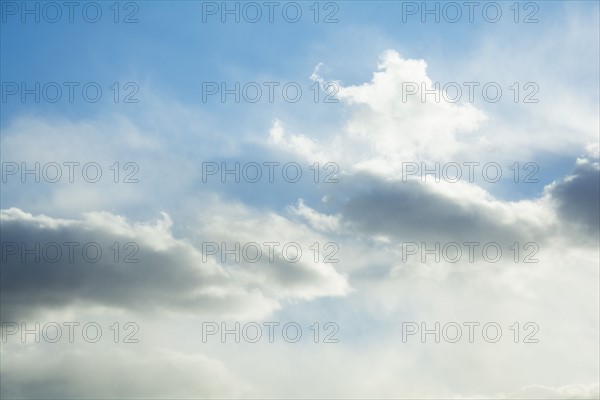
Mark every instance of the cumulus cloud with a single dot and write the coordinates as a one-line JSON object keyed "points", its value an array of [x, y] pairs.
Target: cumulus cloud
{"points": [[400, 126], [163, 272], [577, 196], [373, 211], [307, 278], [440, 211], [391, 121], [386, 126]]}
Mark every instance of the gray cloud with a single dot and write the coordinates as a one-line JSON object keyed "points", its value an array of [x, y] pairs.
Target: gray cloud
{"points": [[578, 196], [171, 273], [412, 211]]}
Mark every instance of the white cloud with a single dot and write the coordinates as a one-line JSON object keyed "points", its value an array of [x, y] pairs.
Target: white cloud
{"points": [[114, 373]]}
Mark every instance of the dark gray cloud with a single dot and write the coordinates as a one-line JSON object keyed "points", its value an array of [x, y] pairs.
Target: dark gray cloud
{"points": [[578, 197], [162, 272], [412, 211], [169, 274]]}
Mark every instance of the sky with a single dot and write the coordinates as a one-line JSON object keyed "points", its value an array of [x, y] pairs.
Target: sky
{"points": [[311, 199]]}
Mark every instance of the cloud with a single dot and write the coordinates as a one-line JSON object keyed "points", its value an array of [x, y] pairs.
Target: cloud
{"points": [[318, 221], [171, 274], [415, 211], [581, 391], [388, 123], [232, 222], [385, 126], [400, 126], [577, 196], [114, 373]]}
